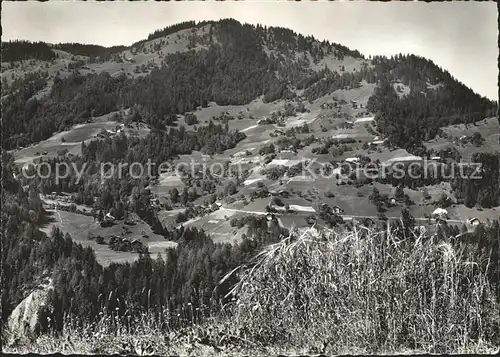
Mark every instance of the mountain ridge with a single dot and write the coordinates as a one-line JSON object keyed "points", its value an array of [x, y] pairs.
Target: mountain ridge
{"points": [[229, 63]]}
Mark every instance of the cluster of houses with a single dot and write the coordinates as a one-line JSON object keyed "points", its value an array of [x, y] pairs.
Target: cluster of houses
{"points": [[208, 208], [68, 208], [63, 197], [111, 132], [280, 121], [331, 209], [276, 133], [328, 105], [121, 244]]}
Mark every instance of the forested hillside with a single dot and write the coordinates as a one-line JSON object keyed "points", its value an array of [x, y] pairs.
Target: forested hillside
{"points": [[212, 67], [170, 30], [193, 283], [190, 272], [417, 117], [236, 64], [25, 50], [482, 192]]}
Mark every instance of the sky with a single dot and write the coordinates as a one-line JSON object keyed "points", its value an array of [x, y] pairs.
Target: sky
{"points": [[460, 37]]}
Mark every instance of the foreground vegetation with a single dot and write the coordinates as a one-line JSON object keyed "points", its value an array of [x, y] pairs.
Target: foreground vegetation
{"points": [[322, 291]]}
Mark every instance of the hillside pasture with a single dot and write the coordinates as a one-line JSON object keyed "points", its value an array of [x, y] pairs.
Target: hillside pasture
{"points": [[360, 95], [256, 109], [166, 182], [488, 128], [72, 139], [294, 220], [217, 225], [80, 227], [132, 63]]}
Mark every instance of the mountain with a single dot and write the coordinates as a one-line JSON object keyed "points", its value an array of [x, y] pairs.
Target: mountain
{"points": [[257, 104], [48, 88]]}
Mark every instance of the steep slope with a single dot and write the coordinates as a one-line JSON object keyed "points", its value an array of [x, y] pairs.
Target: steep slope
{"points": [[28, 257], [24, 319]]}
